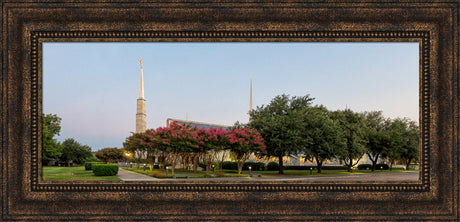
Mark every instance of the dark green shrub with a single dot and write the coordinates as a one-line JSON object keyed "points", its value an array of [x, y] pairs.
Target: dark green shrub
{"points": [[259, 166], [273, 166], [105, 169], [382, 166], [88, 165], [202, 165], [364, 166], [229, 165]]}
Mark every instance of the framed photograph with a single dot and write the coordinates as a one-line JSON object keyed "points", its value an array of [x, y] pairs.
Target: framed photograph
{"points": [[54, 54]]}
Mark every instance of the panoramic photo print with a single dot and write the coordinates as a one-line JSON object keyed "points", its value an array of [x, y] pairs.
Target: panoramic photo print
{"points": [[252, 111]]}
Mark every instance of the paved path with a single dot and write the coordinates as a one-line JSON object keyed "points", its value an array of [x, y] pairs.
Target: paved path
{"points": [[127, 175]]}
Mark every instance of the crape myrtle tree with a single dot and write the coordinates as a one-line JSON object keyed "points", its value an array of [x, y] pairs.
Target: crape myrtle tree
{"points": [[243, 142], [134, 144], [178, 141], [51, 148], [353, 130], [209, 143], [182, 139], [378, 136], [323, 139], [278, 123], [158, 141]]}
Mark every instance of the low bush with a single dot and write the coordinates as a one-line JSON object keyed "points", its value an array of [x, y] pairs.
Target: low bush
{"points": [[259, 166], [88, 165], [229, 165], [364, 166], [105, 169], [382, 166], [273, 166]]}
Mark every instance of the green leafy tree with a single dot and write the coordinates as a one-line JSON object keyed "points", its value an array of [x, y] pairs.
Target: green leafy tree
{"points": [[109, 155], [51, 126], [278, 123], [378, 136], [323, 139], [405, 141], [353, 128], [72, 151]]}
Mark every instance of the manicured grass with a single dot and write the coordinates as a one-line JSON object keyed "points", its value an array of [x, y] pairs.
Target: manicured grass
{"points": [[73, 174], [80, 174]]}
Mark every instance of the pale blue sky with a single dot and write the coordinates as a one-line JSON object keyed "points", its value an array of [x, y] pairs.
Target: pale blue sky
{"points": [[93, 87]]}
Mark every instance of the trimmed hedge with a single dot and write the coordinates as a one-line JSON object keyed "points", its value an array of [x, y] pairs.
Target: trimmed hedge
{"points": [[259, 166], [382, 166], [88, 165], [105, 169], [273, 166], [229, 165], [364, 166]]}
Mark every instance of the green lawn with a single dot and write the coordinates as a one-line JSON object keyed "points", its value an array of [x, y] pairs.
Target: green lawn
{"points": [[80, 174], [73, 174]]}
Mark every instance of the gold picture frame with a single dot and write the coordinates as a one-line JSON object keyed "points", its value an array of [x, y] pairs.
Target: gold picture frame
{"points": [[27, 24]]}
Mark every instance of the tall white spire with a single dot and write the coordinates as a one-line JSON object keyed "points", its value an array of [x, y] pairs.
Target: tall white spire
{"points": [[141, 87], [141, 116]]}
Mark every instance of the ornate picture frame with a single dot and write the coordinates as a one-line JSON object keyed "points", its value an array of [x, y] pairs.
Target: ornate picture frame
{"points": [[27, 24]]}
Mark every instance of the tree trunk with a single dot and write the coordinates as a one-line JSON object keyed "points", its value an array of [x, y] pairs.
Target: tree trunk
{"points": [[408, 163], [240, 166], [374, 160], [195, 163], [208, 167], [319, 165], [281, 167]]}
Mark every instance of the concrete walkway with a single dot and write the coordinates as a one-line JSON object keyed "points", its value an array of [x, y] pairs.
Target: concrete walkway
{"points": [[127, 175]]}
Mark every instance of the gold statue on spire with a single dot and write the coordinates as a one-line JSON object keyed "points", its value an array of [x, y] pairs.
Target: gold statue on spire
{"points": [[140, 60]]}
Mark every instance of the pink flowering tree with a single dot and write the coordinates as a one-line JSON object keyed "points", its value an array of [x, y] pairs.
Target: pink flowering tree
{"points": [[208, 144], [243, 142], [182, 140], [157, 142], [135, 144]]}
